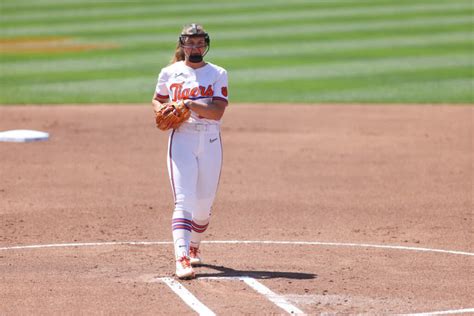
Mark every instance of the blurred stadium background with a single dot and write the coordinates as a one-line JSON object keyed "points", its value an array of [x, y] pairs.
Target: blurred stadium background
{"points": [[109, 51]]}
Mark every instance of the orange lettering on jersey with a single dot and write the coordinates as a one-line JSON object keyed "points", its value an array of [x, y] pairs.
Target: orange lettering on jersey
{"points": [[224, 91], [185, 93], [194, 92], [178, 93], [176, 90], [209, 92]]}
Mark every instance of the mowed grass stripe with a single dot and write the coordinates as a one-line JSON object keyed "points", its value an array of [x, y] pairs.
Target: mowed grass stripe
{"points": [[296, 39], [60, 5], [334, 83], [256, 23], [391, 45], [139, 10], [450, 91], [313, 29], [313, 50], [308, 68], [301, 37], [332, 40], [145, 34], [34, 9], [150, 67], [113, 90], [287, 31], [38, 9], [309, 31], [322, 70], [298, 36], [365, 56], [246, 57], [360, 89], [73, 28], [361, 68], [140, 89], [431, 91], [139, 13]]}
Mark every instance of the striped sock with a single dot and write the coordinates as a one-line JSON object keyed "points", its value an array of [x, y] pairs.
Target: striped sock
{"points": [[198, 232], [181, 226]]}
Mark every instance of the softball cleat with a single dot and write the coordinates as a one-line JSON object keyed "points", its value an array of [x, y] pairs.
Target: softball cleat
{"points": [[195, 256], [184, 270]]}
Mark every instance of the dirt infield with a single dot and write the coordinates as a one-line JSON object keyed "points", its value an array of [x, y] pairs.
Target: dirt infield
{"points": [[339, 175]]}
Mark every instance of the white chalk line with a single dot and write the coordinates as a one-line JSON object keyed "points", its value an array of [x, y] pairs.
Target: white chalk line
{"points": [[280, 300], [453, 311], [267, 242], [187, 297], [89, 244], [276, 299], [197, 306]]}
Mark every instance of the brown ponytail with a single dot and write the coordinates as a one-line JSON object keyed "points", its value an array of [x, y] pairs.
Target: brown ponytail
{"points": [[178, 54]]}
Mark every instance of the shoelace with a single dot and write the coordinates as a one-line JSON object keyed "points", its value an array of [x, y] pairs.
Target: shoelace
{"points": [[185, 262], [193, 252]]}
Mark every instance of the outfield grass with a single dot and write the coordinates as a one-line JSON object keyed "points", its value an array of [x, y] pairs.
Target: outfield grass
{"points": [[404, 51]]}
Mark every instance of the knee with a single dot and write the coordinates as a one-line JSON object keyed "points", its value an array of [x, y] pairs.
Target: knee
{"points": [[201, 216], [202, 212], [185, 203]]}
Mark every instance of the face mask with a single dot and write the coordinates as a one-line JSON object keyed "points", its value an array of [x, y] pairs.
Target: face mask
{"points": [[195, 58]]}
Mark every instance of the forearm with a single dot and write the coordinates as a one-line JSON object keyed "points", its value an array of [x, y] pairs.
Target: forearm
{"points": [[157, 104], [212, 111]]}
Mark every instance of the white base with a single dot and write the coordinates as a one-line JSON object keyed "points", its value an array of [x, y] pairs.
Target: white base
{"points": [[23, 136]]}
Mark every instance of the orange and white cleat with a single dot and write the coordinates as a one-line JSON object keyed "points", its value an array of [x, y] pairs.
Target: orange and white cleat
{"points": [[184, 270], [194, 256]]}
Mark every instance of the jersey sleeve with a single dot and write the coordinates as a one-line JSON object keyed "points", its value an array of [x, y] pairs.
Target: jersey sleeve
{"points": [[161, 90], [220, 88]]}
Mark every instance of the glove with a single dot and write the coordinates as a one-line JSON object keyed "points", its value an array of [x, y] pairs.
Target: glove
{"points": [[172, 115]]}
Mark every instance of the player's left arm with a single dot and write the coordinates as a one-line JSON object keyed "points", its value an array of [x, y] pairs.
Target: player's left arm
{"points": [[213, 111]]}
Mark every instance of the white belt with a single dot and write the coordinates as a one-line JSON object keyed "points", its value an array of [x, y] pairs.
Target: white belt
{"points": [[190, 127]]}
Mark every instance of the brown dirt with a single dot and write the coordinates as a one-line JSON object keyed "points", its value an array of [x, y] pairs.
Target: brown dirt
{"points": [[53, 44], [388, 175]]}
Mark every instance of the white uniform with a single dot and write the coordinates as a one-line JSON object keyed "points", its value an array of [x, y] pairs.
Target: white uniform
{"points": [[194, 150], [178, 82]]}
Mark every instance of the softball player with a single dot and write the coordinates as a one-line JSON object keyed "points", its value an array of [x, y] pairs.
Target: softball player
{"points": [[195, 148]]}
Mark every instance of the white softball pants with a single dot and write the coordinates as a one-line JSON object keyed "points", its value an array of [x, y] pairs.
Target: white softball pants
{"points": [[194, 166]]}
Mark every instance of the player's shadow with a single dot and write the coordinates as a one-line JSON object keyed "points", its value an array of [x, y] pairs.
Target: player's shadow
{"points": [[229, 272]]}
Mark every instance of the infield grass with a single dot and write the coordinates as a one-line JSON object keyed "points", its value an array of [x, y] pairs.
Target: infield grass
{"points": [[110, 51]]}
